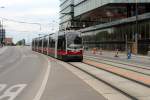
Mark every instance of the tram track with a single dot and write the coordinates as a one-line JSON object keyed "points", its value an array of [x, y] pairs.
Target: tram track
{"points": [[119, 90], [126, 77], [118, 62], [137, 69], [126, 92]]}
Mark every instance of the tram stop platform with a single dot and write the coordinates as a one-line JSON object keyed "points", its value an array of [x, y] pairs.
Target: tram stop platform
{"points": [[121, 57]]}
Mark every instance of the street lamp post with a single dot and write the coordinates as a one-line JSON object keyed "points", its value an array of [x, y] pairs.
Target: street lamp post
{"points": [[126, 43], [136, 33]]}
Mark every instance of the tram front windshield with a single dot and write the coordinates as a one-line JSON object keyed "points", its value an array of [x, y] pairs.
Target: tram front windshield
{"points": [[74, 41]]}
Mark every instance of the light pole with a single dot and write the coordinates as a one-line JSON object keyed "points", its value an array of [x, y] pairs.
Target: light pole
{"points": [[126, 43], [136, 33]]}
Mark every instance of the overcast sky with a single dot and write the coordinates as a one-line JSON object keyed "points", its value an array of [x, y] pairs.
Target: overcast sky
{"points": [[45, 12]]}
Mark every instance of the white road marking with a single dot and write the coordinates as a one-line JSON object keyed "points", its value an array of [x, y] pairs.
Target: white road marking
{"points": [[108, 92], [2, 87], [29, 56], [44, 82], [12, 92]]}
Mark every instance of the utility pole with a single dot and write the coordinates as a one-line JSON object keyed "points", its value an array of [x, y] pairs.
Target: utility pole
{"points": [[136, 33], [126, 43]]}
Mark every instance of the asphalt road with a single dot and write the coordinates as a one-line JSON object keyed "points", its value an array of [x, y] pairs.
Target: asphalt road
{"points": [[27, 75]]}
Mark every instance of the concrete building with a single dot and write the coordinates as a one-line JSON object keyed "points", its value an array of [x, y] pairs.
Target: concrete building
{"points": [[113, 24], [8, 41]]}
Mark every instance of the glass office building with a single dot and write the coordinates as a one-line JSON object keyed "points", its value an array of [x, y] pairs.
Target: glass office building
{"points": [[66, 13], [113, 24], [92, 12]]}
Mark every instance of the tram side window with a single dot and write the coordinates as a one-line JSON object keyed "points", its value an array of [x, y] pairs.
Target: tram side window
{"points": [[40, 43], [53, 43], [50, 43], [36, 43], [61, 43], [45, 43]]}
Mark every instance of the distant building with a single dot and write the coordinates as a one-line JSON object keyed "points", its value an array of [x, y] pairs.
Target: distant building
{"points": [[110, 24], [8, 41], [21, 42]]}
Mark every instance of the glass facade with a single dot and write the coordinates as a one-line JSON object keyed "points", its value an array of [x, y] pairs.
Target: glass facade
{"points": [[109, 13], [109, 24], [115, 37], [89, 5], [66, 13]]}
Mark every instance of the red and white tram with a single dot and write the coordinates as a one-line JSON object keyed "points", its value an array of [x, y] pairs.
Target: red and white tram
{"points": [[62, 45]]}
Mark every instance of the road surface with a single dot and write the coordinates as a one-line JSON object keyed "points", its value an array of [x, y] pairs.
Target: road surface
{"points": [[27, 75]]}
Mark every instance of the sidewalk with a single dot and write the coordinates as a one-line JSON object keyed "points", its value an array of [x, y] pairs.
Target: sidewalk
{"points": [[135, 59]]}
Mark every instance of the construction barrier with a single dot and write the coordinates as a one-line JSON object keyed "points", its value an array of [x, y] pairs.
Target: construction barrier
{"points": [[94, 50], [117, 53]]}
